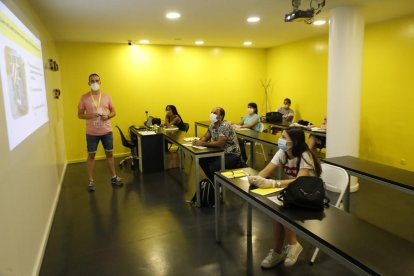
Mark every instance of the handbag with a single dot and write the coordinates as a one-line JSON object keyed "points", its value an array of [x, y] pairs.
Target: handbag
{"points": [[274, 117], [305, 192]]}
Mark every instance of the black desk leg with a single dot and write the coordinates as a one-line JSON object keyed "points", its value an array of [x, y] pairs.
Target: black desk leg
{"points": [[217, 186]]}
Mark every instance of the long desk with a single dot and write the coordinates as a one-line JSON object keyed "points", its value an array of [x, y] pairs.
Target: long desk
{"points": [[362, 247], [177, 138], [284, 125], [248, 134], [392, 177]]}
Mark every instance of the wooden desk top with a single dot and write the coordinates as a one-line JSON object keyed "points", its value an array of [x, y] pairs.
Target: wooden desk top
{"points": [[399, 177], [367, 246]]}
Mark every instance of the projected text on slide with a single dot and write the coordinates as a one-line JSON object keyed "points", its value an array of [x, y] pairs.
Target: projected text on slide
{"points": [[22, 77]]}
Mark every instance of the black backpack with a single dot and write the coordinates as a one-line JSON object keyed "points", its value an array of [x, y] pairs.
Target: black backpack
{"points": [[274, 117], [207, 196], [305, 192]]}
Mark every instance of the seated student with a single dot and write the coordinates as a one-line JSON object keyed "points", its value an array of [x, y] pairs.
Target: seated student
{"points": [[315, 141], [297, 160], [287, 112], [172, 118], [250, 120], [221, 135]]}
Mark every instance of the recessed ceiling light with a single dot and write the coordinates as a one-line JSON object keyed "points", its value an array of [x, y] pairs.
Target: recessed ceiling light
{"points": [[247, 43], [199, 42], [319, 22], [144, 41], [253, 19], [173, 15]]}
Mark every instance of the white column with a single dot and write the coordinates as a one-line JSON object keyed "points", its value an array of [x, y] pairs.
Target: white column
{"points": [[346, 34]]}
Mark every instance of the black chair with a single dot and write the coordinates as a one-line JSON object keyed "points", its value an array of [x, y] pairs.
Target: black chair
{"points": [[128, 144], [187, 127]]}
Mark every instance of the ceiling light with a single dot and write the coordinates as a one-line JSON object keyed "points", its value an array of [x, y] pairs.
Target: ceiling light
{"points": [[173, 15], [199, 42], [144, 41], [253, 19], [247, 43], [319, 22]]}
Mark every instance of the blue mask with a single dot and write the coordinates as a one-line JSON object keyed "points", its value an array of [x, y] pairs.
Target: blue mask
{"points": [[282, 144]]}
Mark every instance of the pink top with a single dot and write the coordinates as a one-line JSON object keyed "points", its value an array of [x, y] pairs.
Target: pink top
{"points": [[101, 104]]}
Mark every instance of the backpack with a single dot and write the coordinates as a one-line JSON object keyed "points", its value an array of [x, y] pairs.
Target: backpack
{"points": [[207, 194], [305, 192], [274, 117]]}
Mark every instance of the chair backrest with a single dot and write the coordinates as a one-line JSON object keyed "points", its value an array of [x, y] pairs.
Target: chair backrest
{"points": [[336, 180], [125, 141], [261, 127], [186, 127]]}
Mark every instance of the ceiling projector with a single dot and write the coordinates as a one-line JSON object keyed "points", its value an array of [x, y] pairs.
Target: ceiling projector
{"points": [[299, 15], [304, 15]]}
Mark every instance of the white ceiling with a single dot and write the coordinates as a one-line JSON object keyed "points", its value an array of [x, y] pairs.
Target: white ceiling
{"points": [[217, 22]]}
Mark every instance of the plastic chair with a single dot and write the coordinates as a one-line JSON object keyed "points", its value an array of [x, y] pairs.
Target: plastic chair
{"points": [[335, 180], [128, 144], [261, 145]]}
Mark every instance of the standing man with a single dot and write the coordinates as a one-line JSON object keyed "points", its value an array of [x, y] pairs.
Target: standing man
{"points": [[97, 109], [221, 135]]}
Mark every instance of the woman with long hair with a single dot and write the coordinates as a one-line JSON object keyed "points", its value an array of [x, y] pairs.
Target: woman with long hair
{"points": [[172, 118], [297, 160]]}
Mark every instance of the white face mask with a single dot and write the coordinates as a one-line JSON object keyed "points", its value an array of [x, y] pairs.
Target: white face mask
{"points": [[94, 86], [250, 110], [213, 118], [286, 106]]}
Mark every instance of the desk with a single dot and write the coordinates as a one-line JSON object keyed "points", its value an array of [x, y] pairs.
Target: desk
{"points": [[150, 151], [259, 137], [177, 137], [362, 247], [392, 177], [283, 125]]}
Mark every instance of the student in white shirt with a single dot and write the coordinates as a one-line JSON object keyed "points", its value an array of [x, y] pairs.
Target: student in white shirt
{"points": [[297, 160]]}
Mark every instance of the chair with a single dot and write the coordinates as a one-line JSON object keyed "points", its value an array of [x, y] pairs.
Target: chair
{"points": [[261, 145], [335, 180], [128, 144], [187, 127]]}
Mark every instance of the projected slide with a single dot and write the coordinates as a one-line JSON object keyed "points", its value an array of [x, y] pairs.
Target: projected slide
{"points": [[22, 78]]}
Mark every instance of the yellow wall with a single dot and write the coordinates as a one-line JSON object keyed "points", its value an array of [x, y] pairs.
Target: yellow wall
{"points": [[143, 78], [299, 71], [388, 95]]}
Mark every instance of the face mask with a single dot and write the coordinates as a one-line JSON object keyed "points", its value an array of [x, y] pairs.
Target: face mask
{"points": [[213, 118], [282, 144], [250, 110], [94, 86], [286, 106]]}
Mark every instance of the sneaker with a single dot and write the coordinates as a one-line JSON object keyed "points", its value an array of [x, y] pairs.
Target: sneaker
{"points": [[91, 187], [116, 182], [272, 259], [292, 253]]}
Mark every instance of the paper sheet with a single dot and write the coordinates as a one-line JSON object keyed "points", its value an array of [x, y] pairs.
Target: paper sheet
{"points": [[147, 132], [267, 191], [234, 174], [190, 139]]}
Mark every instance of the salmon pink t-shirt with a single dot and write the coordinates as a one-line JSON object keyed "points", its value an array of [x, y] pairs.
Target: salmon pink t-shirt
{"points": [[101, 104]]}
